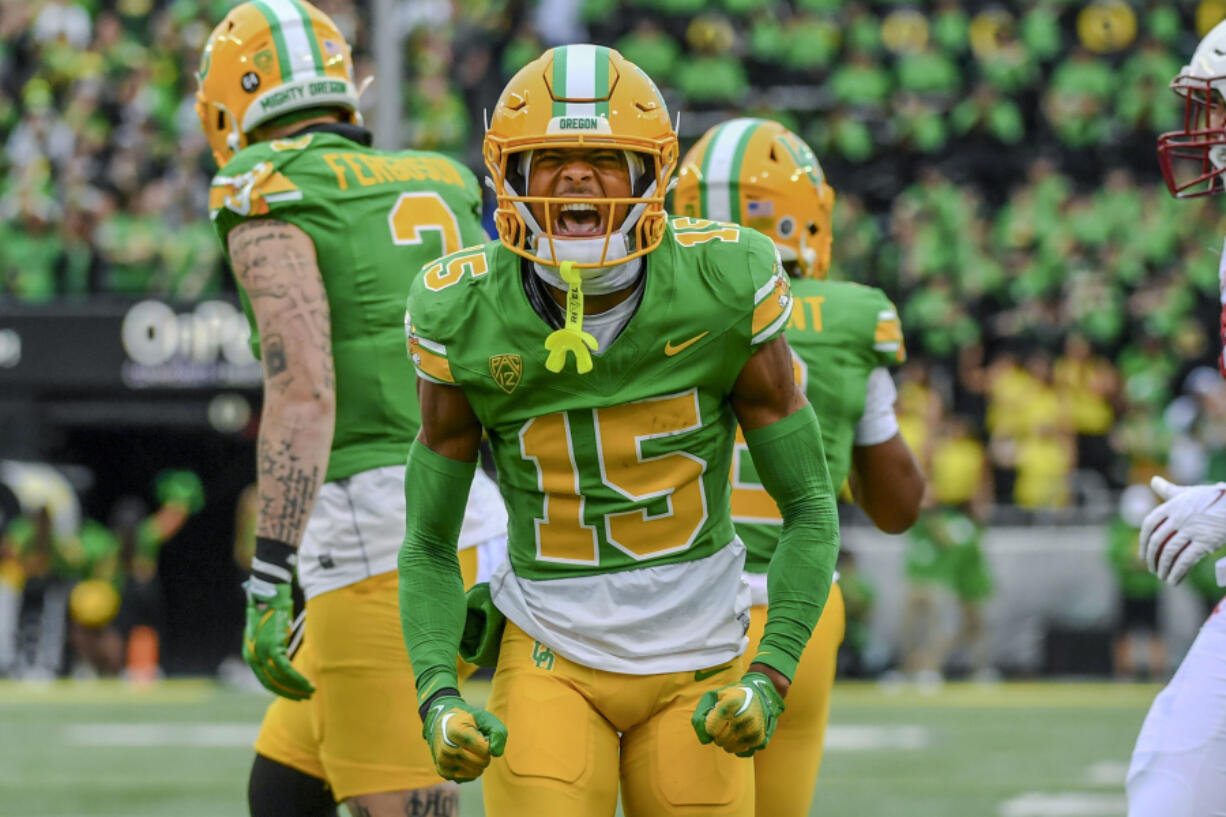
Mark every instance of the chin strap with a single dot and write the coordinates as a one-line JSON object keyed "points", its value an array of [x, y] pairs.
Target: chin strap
{"points": [[571, 337]]}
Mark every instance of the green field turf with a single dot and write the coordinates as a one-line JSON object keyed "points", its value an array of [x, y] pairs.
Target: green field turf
{"points": [[182, 748]]}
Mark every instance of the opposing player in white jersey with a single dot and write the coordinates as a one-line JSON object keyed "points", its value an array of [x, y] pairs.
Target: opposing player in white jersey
{"points": [[1179, 763]]}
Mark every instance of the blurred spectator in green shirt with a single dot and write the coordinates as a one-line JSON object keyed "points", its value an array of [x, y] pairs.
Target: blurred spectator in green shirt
{"points": [[1040, 30], [1139, 589], [1143, 98], [860, 81], [929, 72], [985, 111], [950, 27], [919, 126], [808, 43], [712, 74], [648, 47], [1146, 370], [1077, 99]]}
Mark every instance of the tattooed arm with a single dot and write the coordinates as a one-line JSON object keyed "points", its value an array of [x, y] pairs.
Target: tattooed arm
{"points": [[276, 265]]}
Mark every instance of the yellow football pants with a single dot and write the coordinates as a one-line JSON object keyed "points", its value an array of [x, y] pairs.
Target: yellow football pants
{"points": [[360, 731], [574, 733], [786, 770]]}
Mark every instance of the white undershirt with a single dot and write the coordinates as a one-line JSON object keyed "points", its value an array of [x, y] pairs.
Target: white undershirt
{"points": [[606, 325], [878, 422]]}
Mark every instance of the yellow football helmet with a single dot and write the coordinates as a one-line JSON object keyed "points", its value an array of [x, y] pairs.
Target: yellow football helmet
{"points": [[265, 59], [580, 96], [758, 173]]}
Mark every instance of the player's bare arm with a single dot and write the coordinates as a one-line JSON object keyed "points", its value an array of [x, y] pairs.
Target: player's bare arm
{"points": [[888, 483], [448, 424], [766, 391], [275, 264]]}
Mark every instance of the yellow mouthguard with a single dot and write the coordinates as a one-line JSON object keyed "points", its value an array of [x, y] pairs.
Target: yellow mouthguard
{"points": [[571, 337]]}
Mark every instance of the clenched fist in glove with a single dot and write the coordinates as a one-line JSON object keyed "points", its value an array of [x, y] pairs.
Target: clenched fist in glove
{"points": [[739, 718], [463, 738], [1187, 526]]}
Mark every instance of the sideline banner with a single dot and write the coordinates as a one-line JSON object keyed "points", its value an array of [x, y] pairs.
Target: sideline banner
{"points": [[125, 347]]}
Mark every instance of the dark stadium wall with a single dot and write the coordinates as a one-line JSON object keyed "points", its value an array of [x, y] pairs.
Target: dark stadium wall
{"points": [[202, 599]]}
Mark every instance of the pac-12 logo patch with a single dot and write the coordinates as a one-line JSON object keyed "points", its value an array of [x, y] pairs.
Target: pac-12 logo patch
{"points": [[506, 370]]}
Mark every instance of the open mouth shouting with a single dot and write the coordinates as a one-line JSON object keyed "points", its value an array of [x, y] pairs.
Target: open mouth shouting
{"points": [[580, 219]]}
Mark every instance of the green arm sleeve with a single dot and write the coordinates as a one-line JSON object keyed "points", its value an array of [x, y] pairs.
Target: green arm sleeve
{"points": [[432, 607], [792, 466]]}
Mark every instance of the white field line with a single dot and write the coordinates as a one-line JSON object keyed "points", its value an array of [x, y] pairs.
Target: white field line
{"points": [[1064, 804], [865, 738], [220, 735], [1107, 773]]}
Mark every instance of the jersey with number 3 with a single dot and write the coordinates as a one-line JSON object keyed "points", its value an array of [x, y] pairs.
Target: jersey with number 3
{"points": [[622, 551], [839, 332], [375, 218]]}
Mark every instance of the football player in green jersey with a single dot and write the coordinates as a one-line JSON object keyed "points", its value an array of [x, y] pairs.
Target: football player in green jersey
{"points": [[609, 352], [844, 337], [324, 235]]}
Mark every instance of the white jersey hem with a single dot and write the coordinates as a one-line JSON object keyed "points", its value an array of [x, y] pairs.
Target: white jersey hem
{"points": [[668, 618]]}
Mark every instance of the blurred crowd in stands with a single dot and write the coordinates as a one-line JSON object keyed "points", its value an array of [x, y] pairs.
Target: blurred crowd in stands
{"points": [[994, 162], [996, 176]]}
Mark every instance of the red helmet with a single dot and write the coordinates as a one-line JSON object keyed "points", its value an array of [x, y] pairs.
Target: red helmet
{"points": [[1194, 159]]}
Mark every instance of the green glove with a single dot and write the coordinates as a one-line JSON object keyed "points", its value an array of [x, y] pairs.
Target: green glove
{"points": [[270, 617], [740, 718], [463, 738], [265, 641], [483, 626]]}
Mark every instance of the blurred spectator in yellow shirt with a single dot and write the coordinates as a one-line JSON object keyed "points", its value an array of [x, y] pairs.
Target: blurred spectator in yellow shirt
{"points": [[959, 473], [919, 408], [1089, 386], [1044, 460]]}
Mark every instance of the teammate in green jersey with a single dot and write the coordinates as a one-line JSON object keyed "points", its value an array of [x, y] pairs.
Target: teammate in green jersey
{"points": [[844, 337], [325, 235], [610, 353]]}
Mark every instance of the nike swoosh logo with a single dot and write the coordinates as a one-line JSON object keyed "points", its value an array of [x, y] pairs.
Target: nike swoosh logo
{"points": [[704, 674], [442, 728], [670, 349]]}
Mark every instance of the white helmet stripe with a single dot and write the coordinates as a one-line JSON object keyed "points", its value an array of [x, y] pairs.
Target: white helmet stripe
{"points": [[581, 79], [719, 167], [299, 41]]}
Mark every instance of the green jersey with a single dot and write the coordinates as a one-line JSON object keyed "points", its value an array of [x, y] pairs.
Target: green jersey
{"points": [[375, 217], [839, 332], [615, 480]]}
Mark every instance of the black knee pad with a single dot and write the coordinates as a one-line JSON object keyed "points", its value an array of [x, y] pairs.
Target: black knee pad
{"points": [[277, 790]]}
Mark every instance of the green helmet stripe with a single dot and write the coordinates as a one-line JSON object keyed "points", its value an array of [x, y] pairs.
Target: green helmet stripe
{"points": [[601, 87], [560, 56], [721, 169], [297, 47], [278, 39]]}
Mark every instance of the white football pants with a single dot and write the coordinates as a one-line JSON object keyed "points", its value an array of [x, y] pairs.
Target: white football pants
{"points": [[1179, 763]]}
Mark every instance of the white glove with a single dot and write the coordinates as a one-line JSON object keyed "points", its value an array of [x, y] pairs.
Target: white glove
{"points": [[1177, 534]]}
